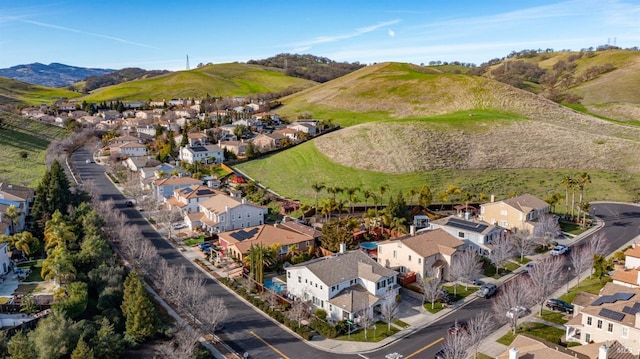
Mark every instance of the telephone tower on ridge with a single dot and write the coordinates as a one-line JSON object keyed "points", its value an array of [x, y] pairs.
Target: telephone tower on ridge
{"points": [[188, 68]]}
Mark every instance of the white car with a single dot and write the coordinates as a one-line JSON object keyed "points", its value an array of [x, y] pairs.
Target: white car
{"points": [[518, 311], [559, 249], [178, 225]]}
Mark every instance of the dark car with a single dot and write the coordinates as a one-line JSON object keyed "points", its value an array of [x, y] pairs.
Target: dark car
{"points": [[559, 305], [204, 246], [129, 204], [458, 327], [444, 297]]}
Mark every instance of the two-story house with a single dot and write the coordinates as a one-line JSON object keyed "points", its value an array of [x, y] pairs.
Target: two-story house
{"points": [[267, 141], [630, 275], [238, 242], [163, 187], [344, 285], [222, 213], [428, 254], [613, 315], [527, 346], [476, 234], [193, 139], [188, 199], [238, 148], [202, 154], [19, 196], [517, 212]]}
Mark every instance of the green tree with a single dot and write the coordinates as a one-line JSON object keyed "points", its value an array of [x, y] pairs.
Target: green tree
{"points": [[58, 266], [339, 231], [138, 309], [82, 351], [351, 192], [20, 347], [317, 188], [58, 232], [425, 196], [75, 302], [107, 343], [58, 330], [601, 266], [12, 213], [184, 141], [53, 194], [582, 180]]}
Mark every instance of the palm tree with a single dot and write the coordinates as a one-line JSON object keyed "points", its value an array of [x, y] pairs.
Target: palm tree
{"points": [[567, 182], [58, 266], [411, 193], [335, 190], [23, 242], [574, 186], [317, 188], [351, 193], [13, 213], [382, 189], [57, 232], [367, 194], [398, 224], [453, 190], [584, 207], [583, 179]]}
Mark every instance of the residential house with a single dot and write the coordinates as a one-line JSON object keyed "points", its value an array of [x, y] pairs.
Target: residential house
{"points": [[188, 199], [19, 196], [303, 229], [123, 140], [109, 114], [163, 187], [68, 106], [202, 154], [289, 133], [146, 130], [267, 141], [144, 115], [306, 127], [344, 285], [428, 254], [136, 164], [614, 315], [530, 347], [476, 234], [223, 213], [237, 243], [5, 261], [193, 139], [135, 104], [519, 212], [630, 275], [130, 149], [238, 148]]}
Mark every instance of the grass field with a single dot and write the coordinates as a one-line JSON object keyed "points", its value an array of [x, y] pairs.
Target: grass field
{"points": [[16, 92], [23, 145]]}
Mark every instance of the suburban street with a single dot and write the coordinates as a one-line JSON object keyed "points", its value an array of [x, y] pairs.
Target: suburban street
{"points": [[248, 330]]}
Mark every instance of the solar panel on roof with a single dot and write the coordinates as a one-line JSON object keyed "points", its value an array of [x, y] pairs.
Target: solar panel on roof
{"points": [[632, 310], [187, 190], [199, 149], [623, 296], [608, 313], [612, 298], [470, 226]]}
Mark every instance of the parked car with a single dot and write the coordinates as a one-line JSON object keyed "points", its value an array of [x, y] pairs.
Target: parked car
{"points": [[178, 225], [529, 266], [518, 311], [559, 305], [458, 327], [89, 160], [444, 296], [559, 249], [487, 290], [129, 204], [204, 246]]}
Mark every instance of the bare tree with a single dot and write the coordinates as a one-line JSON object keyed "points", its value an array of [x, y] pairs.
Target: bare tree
{"points": [[501, 252], [597, 245], [545, 277], [581, 259], [192, 294], [183, 344], [299, 310], [455, 346], [430, 288], [366, 319], [270, 297], [479, 328], [466, 266], [171, 281], [523, 242], [547, 229], [213, 313], [512, 296], [389, 308]]}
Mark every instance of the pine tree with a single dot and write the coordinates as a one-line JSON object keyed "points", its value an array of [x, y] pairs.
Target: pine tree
{"points": [[138, 310], [82, 351], [21, 348], [52, 194], [107, 343]]}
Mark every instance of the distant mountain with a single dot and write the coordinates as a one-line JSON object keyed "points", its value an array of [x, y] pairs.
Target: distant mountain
{"points": [[52, 75]]}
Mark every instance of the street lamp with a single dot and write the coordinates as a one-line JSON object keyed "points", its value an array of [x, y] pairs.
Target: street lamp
{"points": [[569, 279]]}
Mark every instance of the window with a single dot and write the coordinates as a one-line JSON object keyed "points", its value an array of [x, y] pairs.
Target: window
{"points": [[587, 337], [248, 214], [503, 223], [503, 212], [481, 209], [289, 275], [305, 281], [300, 279], [395, 254], [599, 325], [625, 332], [419, 260], [379, 249], [409, 257], [307, 243], [589, 321], [610, 327], [460, 234]]}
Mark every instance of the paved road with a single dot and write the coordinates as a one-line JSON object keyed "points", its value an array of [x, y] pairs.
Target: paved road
{"points": [[247, 330]]}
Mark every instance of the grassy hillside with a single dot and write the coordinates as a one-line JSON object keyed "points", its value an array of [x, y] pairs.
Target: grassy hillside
{"points": [[22, 93], [410, 125], [216, 80], [23, 145]]}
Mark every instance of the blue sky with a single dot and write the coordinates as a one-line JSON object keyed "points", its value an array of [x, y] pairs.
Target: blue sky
{"points": [[156, 34]]}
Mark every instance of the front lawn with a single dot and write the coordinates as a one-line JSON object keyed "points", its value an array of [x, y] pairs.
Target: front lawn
{"points": [[489, 270], [552, 316], [537, 330], [400, 323], [571, 228], [190, 242], [376, 335], [461, 291], [592, 285], [437, 306]]}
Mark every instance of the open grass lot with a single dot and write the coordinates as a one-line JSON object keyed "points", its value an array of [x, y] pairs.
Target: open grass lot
{"points": [[23, 145], [376, 335], [538, 330], [17, 92]]}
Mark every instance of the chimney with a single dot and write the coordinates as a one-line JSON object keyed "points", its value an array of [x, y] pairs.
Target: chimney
{"points": [[412, 230], [493, 198], [603, 352], [514, 353], [467, 215], [343, 248]]}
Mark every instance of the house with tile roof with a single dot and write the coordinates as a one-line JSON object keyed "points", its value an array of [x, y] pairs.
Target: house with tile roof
{"points": [[428, 254], [221, 213], [188, 199], [630, 275], [238, 148], [344, 285], [193, 139], [303, 229], [517, 212], [475, 233], [163, 187], [202, 154], [237, 243], [613, 315], [267, 141], [530, 347]]}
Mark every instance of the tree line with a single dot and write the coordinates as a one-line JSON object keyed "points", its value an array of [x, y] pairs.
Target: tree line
{"points": [[309, 67]]}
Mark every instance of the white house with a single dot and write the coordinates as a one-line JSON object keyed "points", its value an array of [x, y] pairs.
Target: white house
{"points": [[19, 196], [222, 213], [132, 149], [476, 234], [188, 199], [5, 261], [630, 275], [344, 285], [206, 154]]}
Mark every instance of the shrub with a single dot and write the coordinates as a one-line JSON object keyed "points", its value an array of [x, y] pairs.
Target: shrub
{"points": [[321, 313], [325, 329], [398, 298]]}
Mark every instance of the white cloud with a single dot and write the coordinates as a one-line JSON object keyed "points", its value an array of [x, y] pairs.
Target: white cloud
{"points": [[334, 38], [391, 33]]}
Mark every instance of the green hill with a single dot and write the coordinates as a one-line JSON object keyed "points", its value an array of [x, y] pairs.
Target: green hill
{"points": [[13, 92], [231, 79], [409, 125], [23, 144]]}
